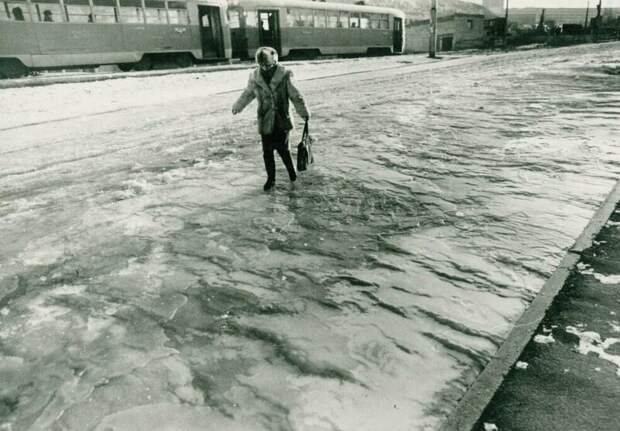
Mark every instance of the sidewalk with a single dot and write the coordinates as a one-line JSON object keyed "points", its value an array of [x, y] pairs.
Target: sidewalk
{"points": [[73, 77], [568, 376]]}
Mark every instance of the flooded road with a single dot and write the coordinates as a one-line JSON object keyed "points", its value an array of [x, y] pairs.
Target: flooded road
{"points": [[147, 282]]}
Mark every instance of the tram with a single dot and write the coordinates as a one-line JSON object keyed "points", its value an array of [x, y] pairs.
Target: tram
{"points": [[45, 34], [314, 28]]}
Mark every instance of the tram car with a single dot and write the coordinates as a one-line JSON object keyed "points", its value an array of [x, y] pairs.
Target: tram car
{"points": [[45, 34], [307, 28]]}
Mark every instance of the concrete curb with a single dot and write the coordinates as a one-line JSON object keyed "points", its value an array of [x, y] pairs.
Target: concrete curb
{"points": [[479, 394]]}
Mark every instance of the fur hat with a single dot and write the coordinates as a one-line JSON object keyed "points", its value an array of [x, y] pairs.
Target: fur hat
{"points": [[266, 56]]}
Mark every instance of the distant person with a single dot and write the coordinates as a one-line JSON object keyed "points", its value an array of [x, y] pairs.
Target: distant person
{"points": [[272, 85], [90, 17], [18, 15], [47, 16]]}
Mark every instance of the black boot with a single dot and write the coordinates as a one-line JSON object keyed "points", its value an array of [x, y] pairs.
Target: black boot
{"points": [[269, 184], [270, 166]]}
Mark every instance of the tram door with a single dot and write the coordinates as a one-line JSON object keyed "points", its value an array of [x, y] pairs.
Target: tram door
{"points": [[211, 36], [269, 31], [398, 35]]}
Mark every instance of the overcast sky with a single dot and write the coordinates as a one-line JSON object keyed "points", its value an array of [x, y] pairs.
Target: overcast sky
{"points": [[558, 3]]}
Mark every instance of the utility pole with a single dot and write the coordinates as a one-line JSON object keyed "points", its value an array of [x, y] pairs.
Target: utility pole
{"points": [[541, 22], [585, 26], [506, 24], [596, 27], [433, 37]]}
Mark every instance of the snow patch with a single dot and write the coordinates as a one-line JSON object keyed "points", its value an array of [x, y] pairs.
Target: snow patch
{"points": [[584, 268], [608, 279], [544, 339], [590, 341], [520, 365]]}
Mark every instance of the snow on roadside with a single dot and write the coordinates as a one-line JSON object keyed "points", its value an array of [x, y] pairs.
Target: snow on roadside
{"points": [[590, 341], [584, 268], [520, 365], [544, 339], [607, 279]]}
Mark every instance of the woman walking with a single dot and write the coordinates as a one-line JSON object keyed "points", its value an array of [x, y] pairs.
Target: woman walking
{"points": [[272, 86]]}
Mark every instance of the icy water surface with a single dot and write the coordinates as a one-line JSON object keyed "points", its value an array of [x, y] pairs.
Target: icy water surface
{"points": [[147, 283]]}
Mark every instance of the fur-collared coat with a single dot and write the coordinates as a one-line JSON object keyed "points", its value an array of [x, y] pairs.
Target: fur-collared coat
{"points": [[272, 96]]}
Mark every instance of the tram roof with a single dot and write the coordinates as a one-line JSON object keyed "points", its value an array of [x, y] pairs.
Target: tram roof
{"points": [[316, 5]]}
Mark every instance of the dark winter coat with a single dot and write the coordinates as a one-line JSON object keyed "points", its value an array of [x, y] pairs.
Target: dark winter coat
{"points": [[271, 97]]}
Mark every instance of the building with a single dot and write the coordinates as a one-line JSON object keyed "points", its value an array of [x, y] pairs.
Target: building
{"points": [[454, 32], [496, 7]]}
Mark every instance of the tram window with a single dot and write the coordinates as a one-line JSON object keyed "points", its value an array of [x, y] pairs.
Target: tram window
{"points": [[384, 23], [332, 19], [155, 11], [78, 11], [177, 12], [299, 18], [365, 21], [233, 18], [5, 15], [17, 13], [292, 18], [319, 19], [355, 20], [375, 21], [105, 11], [131, 11], [48, 10], [14, 11], [307, 17], [343, 20], [251, 19]]}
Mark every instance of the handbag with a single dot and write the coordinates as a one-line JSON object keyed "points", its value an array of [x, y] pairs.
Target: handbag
{"points": [[304, 150]]}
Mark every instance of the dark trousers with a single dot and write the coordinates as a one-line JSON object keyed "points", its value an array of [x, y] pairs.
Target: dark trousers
{"points": [[278, 141]]}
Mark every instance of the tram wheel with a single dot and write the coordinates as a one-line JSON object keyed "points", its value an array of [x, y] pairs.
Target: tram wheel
{"points": [[12, 68], [126, 67], [145, 63], [184, 59]]}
